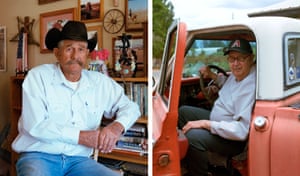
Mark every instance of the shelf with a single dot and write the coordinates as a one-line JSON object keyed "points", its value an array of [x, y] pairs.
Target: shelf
{"points": [[124, 155], [143, 120], [18, 108], [18, 78], [134, 157], [140, 79]]}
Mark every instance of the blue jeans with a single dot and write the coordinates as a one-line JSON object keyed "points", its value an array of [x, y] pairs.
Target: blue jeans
{"points": [[44, 164]]}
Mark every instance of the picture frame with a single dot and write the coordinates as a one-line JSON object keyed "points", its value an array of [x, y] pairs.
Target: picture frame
{"points": [[56, 19], [136, 13], [46, 1], [91, 32], [137, 44], [3, 56], [90, 10]]}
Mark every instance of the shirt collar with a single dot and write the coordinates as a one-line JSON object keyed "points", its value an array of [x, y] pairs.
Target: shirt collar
{"points": [[59, 78]]}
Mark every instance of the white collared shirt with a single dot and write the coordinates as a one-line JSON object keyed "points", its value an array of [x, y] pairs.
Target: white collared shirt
{"points": [[53, 113]]}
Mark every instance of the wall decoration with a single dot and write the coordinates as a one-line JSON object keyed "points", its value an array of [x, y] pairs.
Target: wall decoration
{"points": [[90, 10], [136, 12], [99, 60], [50, 20], [135, 53], [113, 21], [46, 1], [25, 26], [99, 56], [95, 30], [22, 55], [2, 48]]}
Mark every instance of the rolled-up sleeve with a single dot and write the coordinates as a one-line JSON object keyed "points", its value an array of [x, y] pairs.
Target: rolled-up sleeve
{"points": [[125, 110]]}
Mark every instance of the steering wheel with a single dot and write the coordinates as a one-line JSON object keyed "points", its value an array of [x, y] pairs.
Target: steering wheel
{"points": [[207, 90]]}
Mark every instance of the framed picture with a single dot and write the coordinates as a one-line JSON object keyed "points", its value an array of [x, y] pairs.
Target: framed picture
{"points": [[2, 48], [136, 12], [136, 44], [46, 1], [90, 10], [55, 19], [95, 30]]}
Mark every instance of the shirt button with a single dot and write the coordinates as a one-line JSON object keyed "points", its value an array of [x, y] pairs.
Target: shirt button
{"points": [[73, 123]]}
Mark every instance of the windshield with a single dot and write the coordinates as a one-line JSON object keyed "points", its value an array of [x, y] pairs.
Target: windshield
{"points": [[206, 52]]}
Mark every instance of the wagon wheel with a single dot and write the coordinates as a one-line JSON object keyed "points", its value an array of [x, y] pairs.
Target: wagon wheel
{"points": [[113, 21]]}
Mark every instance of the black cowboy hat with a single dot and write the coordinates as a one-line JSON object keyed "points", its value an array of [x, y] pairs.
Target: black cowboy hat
{"points": [[72, 30]]}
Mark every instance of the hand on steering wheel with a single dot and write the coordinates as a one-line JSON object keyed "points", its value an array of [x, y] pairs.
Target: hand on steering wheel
{"points": [[209, 91]]}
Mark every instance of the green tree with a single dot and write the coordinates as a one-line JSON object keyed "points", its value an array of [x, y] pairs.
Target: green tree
{"points": [[162, 18]]}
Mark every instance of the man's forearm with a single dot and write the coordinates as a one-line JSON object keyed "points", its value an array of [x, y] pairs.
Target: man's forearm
{"points": [[93, 138], [89, 138]]}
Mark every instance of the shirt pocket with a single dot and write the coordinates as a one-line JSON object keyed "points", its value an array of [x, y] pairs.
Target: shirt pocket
{"points": [[93, 116]]}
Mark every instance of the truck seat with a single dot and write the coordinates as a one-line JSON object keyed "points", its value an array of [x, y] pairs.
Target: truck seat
{"points": [[238, 162]]}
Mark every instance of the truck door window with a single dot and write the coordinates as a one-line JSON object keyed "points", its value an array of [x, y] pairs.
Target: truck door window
{"points": [[292, 60], [204, 52], [167, 66]]}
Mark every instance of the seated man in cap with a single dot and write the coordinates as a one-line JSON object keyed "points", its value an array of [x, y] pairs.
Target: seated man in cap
{"points": [[63, 105], [225, 129]]}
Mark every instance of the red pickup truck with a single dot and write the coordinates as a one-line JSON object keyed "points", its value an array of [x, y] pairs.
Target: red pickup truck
{"points": [[274, 136]]}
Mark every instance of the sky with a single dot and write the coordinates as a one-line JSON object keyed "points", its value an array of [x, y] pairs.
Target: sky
{"points": [[195, 12]]}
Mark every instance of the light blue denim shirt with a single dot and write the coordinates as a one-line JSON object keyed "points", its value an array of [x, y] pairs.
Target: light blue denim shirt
{"points": [[53, 113]]}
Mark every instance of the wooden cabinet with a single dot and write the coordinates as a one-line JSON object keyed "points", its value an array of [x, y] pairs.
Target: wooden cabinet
{"points": [[15, 112], [16, 107]]}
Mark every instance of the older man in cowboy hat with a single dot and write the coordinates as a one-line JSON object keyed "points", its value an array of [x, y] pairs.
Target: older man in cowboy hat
{"points": [[62, 109]]}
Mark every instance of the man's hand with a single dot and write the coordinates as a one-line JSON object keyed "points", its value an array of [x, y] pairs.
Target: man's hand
{"points": [[196, 124], [104, 140], [109, 136], [207, 73]]}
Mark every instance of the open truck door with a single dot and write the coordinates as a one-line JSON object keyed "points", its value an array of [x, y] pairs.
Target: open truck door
{"points": [[166, 157]]}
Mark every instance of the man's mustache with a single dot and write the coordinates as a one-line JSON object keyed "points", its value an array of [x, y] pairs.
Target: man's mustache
{"points": [[75, 62]]}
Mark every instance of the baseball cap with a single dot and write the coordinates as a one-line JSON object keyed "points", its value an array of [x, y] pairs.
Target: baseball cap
{"points": [[239, 45]]}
